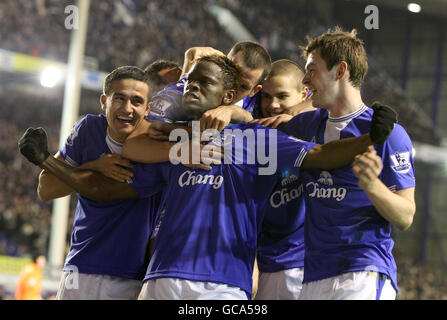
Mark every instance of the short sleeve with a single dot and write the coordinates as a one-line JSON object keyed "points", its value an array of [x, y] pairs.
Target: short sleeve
{"points": [[398, 163], [71, 151]]}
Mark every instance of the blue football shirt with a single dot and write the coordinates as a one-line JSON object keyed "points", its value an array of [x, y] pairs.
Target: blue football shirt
{"points": [[108, 237], [281, 241], [212, 218], [343, 230]]}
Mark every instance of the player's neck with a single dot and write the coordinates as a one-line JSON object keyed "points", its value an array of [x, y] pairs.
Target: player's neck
{"points": [[346, 103]]}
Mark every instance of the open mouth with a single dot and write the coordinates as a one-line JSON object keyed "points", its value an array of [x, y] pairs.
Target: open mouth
{"points": [[124, 119]]}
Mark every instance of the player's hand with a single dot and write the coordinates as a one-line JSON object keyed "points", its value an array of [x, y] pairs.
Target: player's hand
{"points": [[160, 130], [34, 146], [200, 156], [217, 118], [112, 166], [274, 121], [367, 167], [195, 53], [383, 122], [156, 134]]}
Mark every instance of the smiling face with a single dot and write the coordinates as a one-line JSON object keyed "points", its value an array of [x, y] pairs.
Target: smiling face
{"points": [[204, 89], [125, 106], [320, 81], [279, 93]]}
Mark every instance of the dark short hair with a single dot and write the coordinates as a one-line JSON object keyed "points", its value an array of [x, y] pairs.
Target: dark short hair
{"points": [[232, 74], [154, 80], [35, 255], [255, 56], [124, 72], [287, 67], [159, 65]]}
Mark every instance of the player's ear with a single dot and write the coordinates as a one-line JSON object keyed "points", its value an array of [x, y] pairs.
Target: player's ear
{"points": [[228, 97], [103, 99], [342, 69], [255, 90]]}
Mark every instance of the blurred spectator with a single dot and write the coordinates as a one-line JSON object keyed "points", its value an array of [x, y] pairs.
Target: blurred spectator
{"points": [[119, 33], [29, 285]]}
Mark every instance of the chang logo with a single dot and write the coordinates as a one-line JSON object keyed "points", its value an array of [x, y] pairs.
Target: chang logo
{"points": [[283, 196], [326, 178], [315, 191], [189, 178], [289, 179]]}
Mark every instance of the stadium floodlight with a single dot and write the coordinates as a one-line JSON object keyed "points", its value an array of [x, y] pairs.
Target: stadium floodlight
{"points": [[414, 7], [50, 76]]}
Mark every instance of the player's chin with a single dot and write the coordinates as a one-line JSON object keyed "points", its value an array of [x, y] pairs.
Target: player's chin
{"points": [[192, 108]]}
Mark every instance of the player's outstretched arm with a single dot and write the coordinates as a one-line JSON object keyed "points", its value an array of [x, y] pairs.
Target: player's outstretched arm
{"points": [[396, 207], [110, 165], [339, 153], [273, 122], [90, 184]]}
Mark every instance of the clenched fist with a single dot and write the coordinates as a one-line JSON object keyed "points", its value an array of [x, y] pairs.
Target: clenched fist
{"points": [[33, 145], [383, 121]]}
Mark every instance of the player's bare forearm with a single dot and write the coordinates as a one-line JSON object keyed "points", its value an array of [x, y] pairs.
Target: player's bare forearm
{"points": [[50, 187], [88, 183], [195, 53], [398, 207], [337, 153], [146, 150]]}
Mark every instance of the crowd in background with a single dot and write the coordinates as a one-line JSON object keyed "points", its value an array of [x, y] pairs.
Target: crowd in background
{"points": [[120, 33], [138, 32]]}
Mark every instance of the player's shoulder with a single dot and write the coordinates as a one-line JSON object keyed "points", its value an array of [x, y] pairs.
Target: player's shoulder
{"points": [[399, 135], [310, 116], [89, 121]]}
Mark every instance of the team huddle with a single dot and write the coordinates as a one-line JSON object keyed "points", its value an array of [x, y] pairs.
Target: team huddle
{"points": [[290, 191]]}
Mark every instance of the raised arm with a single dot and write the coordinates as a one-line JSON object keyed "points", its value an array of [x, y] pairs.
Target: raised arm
{"points": [[50, 187], [110, 165], [90, 184], [195, 53]]}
